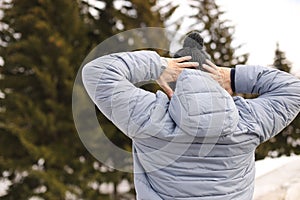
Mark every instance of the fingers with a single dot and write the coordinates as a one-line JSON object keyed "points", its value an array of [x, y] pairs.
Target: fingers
{"points": [[211, 64], [167, 89], [180, 62], [165, 86], [209, 69], [188, 65], [184, 58]]}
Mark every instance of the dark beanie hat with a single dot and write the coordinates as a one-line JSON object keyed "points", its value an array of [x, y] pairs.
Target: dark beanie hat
{"points": [[193, 46]]}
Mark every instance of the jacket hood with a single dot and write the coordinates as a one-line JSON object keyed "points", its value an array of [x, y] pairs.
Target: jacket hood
{"points": [[201, 107]]}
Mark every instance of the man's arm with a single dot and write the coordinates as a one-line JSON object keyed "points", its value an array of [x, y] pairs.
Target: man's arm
{"points": [[278, 102], [109, 81]]}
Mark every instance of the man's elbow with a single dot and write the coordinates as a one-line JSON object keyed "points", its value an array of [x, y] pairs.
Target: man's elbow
{"points": [[90, 77]]}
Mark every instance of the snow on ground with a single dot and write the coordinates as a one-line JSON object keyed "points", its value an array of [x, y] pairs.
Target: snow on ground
{"points": [[269, 164], [278, 179]]}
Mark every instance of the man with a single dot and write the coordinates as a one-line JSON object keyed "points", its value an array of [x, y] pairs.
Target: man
{"points": [[198, 142]]}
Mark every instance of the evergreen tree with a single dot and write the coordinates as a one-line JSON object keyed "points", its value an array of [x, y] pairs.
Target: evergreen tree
{"points": [[43, 44], [287, 142], [109, 17], [99, 17], [280, 61]]}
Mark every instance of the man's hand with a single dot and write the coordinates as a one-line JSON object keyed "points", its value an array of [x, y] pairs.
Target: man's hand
{"points": [[174, 68], [220, 74]]}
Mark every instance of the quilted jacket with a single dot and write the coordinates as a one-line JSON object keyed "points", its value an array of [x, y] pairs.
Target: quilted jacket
{"points": [[200, 143]]}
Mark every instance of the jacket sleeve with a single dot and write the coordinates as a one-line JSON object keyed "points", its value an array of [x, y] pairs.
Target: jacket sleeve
{"points": [[109, 81], [278, 102]]}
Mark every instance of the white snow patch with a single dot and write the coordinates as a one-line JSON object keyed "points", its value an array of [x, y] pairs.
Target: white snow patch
{"points": [[4, 185], [267, 165], [278, 179]]}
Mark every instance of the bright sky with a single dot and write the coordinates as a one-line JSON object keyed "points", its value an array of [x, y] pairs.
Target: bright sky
{"points": [[259, 24]]}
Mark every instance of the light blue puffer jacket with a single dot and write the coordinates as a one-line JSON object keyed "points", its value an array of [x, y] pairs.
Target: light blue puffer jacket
{"points": [[200, 144]]}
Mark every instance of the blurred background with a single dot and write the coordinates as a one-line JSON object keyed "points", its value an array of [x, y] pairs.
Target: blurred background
{"points": [[42, 46]]}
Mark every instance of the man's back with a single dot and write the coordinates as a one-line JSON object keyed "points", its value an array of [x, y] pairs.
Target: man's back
{"points": [[200, 150], [200, 144]]}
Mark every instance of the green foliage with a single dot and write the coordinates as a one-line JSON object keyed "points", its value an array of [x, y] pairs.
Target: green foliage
{"points": [[39, 146], [287, 142]]}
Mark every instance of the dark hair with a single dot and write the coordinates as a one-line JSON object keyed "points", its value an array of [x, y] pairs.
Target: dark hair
{"points": [[193, 46]]}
